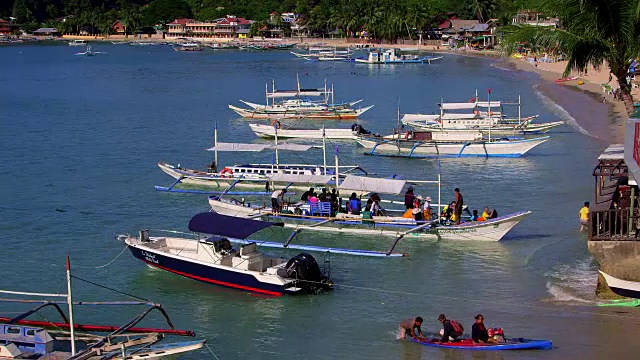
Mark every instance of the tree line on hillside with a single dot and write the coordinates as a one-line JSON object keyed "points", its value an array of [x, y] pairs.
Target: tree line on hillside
{"points": [[389, 19]]}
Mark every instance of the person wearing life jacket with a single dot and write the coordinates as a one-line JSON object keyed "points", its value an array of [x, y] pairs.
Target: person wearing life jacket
{"points": [[475, 216], [418, 215], [451, 329], [354, 205], [479, 332]]}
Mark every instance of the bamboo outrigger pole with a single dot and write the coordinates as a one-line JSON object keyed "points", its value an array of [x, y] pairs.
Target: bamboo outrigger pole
{"points": [[70, 303]]}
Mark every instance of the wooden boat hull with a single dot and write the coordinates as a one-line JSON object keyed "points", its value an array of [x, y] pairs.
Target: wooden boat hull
{"points": [[621, 287], [501, 148], [490, 230], [268, 132]]}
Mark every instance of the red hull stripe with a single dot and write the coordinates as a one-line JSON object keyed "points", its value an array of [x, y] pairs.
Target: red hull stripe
{"points": [[217, 282]]}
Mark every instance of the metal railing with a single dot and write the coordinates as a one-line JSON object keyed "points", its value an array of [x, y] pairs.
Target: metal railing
{"points": [[614, 225]]}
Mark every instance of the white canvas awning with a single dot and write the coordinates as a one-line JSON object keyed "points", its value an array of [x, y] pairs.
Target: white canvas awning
{"points": [[419, 117], [301, 179], [458, 106], [486, 104], [222, 146], [295, 93], [458, 116], [371, 185]]}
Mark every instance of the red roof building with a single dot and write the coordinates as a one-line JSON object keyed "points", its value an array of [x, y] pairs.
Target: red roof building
{"points": [[178, 27], [118, 28]]}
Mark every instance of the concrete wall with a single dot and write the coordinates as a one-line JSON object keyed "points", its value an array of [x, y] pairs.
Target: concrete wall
{"points": [[620, 259]]}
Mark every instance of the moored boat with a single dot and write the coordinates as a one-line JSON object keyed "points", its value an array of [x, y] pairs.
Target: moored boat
{"points": [[393, 56], [322, 217], [621, 287], [77, 43], [213, 260], [283, 132], [458, 144]]}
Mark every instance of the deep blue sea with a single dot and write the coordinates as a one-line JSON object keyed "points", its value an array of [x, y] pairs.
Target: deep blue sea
{"points": [[80, 138]]}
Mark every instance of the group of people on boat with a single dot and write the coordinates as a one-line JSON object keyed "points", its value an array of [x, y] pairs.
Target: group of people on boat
{"points": [[451, 330], [354, 205]]}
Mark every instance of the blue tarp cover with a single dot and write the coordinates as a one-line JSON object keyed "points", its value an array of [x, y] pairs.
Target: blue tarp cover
{"points": [[229, 226]]}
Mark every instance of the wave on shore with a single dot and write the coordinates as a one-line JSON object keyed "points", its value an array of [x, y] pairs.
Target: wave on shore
{"points": [[559, 110], [573, 284]]}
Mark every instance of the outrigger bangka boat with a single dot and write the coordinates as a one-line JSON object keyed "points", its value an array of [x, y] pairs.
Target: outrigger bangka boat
{"points": [[90, 52], [285, 132], [486, 116], [392, 56], [255, 175], [214, 261], [297, 104], [21, 338], [448, 144], [304, 217]]}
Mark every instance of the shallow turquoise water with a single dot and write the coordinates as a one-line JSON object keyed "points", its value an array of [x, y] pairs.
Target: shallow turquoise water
{"points": [[83, 135]]}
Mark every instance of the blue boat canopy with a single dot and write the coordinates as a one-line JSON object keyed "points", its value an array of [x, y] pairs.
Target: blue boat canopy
{"points": [[229, 226]]}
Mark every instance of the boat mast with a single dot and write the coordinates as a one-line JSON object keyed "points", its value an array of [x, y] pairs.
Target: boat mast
{"points": [[441, 112], [519, 110], [324, 150], [215, 142], [489, 110], [275, 127], [266, 93], [70, 303], [333, 100], [439, 190], [337, 167]]}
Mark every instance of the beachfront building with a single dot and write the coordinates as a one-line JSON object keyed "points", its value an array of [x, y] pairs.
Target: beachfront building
{"points": [[614, 217], [118, 28], [178, 27], [201, 29], [7, 27], [46, 32], [535, 18], [229, 26]]}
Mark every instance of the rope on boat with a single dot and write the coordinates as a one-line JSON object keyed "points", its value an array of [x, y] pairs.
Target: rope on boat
{"points": [[108, 288], [211, 351], [114, 259]]}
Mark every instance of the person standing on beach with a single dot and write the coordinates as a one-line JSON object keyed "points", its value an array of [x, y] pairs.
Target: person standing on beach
{"points": [[583, 214], [458, 208]]}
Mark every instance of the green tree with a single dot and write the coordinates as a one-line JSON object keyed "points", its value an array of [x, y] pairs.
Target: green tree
{"points": [[22, 12], [130, 17], [593, 32], [164, 11]]}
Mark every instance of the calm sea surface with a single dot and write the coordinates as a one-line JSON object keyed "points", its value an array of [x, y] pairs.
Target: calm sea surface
{"points": [[80, 138]]}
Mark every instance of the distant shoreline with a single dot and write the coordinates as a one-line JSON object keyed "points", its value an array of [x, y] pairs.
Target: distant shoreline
{"points": [[548, 72]]}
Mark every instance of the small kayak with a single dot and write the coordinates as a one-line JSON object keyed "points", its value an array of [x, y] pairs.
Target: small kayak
{"points": [[566, 79], [622, 302], [510, 344]]}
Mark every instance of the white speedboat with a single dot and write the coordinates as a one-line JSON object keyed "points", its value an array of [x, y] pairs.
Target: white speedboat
{"points": [[77, 43], [214, 261]]}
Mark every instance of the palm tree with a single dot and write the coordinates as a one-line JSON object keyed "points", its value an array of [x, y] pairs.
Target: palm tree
{"points": [[131, 16], [593, 33]]}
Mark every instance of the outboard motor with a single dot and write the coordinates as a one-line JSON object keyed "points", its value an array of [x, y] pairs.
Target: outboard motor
{"points": [[304, 267]]}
